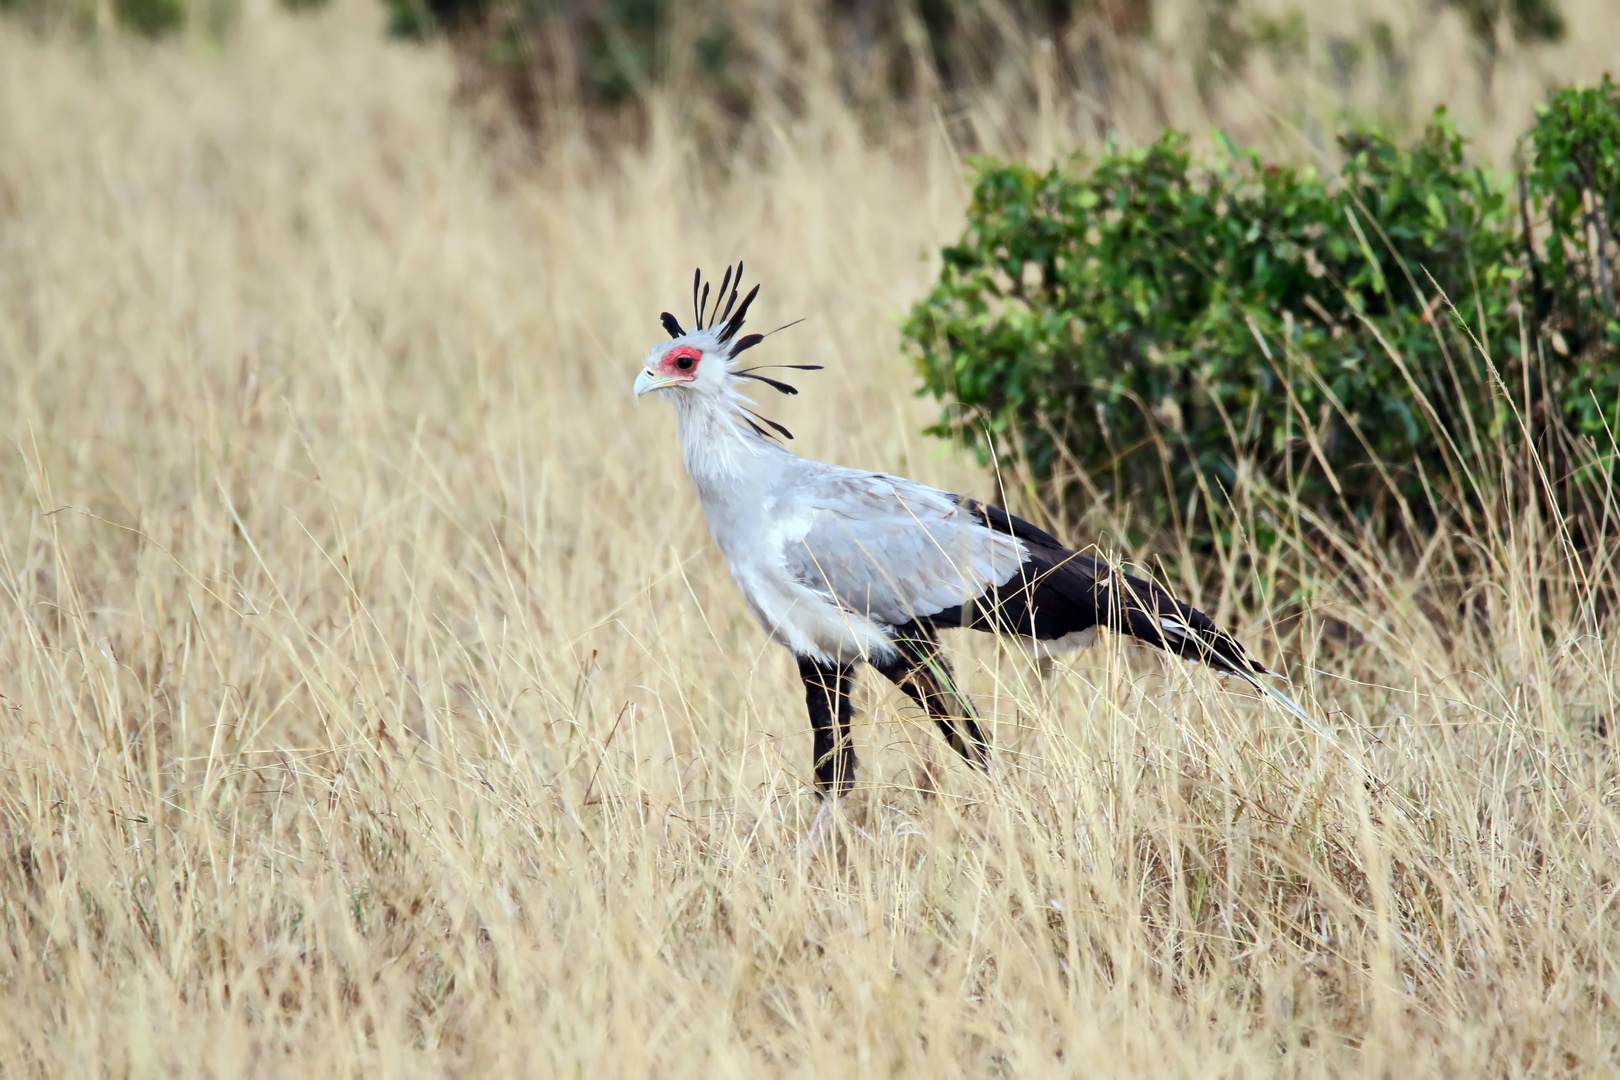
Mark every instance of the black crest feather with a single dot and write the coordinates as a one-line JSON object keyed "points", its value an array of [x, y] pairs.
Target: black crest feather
{"points": [[767, 420], [735, 285], [728, 314], [774, 384], [734, 324], [719, 297]]}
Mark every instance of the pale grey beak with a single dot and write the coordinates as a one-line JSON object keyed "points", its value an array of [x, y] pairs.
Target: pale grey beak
{"points": [[651, 380]]}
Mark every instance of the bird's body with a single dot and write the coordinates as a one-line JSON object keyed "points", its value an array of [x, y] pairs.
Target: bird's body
{"points": [[843, 566], [830, 560]]}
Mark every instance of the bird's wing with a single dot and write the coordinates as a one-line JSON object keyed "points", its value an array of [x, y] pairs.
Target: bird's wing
{"points": [[891, 549]]}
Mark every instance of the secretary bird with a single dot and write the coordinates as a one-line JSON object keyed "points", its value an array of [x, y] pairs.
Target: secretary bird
{"points": [[844, 566]]}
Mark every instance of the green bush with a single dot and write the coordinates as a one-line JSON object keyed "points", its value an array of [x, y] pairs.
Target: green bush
{"points": [[1573, 185], [1136, 326]]}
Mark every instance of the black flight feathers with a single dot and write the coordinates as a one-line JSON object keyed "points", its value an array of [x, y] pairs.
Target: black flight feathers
{"points": [[1057, 592], [730, 319]]}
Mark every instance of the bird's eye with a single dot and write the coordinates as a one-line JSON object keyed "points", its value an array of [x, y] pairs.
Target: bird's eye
{"points": [[684, 363]]}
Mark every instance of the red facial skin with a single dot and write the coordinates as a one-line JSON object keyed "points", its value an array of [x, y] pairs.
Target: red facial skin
{"points": [[671, 366]]}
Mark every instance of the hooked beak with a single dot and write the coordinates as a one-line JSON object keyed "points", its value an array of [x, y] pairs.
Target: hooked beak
{"points": [[650, 380]]}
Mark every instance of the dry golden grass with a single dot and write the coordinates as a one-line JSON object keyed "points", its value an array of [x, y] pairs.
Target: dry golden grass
{"points": [[372, 701]]}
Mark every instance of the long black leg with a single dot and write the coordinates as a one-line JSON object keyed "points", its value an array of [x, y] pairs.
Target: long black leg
{"points": [[826, 693], [924, 676]]}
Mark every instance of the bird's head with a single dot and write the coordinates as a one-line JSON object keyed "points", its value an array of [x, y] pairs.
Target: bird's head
{"points": [[700, 365]]}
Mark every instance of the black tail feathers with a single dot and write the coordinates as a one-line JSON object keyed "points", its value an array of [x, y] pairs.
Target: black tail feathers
{"points": [[1130, 605], [1058, 592]]}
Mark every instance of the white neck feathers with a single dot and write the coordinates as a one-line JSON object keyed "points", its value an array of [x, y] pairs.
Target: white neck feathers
{"points": [[719, 449]]}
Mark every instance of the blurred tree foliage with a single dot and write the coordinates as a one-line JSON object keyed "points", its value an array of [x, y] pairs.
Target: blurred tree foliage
{"points": [[150, 18], [145, 18], [1526, 20], [604, 55], [1138, 325]]}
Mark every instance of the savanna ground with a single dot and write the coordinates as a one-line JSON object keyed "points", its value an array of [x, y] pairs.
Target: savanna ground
{"points": [[372, 701]]}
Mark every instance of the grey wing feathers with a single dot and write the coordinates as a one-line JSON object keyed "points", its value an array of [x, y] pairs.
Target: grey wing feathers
{"points": [[896, 551]]}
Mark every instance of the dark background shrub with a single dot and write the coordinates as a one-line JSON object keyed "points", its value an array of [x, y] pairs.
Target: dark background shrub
{"points": [[1137, 326], [1573, 187], [604, 56], [150, 18]]}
